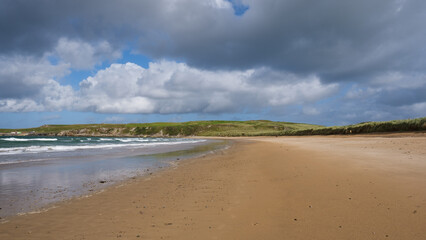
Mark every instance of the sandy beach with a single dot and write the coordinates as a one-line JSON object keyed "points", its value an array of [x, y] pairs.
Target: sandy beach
{"points": [[337, 187]]}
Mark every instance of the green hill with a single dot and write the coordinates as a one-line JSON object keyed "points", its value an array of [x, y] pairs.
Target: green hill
{"points": [[218, 128], [195, 128]]}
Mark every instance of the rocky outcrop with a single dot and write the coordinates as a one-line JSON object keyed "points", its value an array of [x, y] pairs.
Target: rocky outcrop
{"points": [[97, 132]]}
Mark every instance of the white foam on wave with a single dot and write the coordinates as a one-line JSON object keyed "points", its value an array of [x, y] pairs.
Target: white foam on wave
{"points": [[125, 140], [59, 148], [12, 139]]}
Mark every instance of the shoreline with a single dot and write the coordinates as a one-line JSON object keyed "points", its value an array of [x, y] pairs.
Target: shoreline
{"points": [[260, 188], [36, 185]]}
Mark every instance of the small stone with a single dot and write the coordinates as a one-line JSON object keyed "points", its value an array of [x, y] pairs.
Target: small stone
{"points": [[415, 211], [168, 224], [102, 181], [295, 219], [138, 236]]}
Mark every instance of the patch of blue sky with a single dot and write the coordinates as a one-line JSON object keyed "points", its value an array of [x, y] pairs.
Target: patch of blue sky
{"points": [[139, 59], [75, 77], [239, 7]]}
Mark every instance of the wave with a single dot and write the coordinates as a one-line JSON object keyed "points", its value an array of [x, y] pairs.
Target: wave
{"points": [[125, 140], [12, 139], [60, 148]]}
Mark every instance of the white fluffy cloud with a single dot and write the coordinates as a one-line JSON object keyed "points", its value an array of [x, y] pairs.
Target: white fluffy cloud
{"points": [[164, 87], [28, 84], [83, 55], [171, 87]]}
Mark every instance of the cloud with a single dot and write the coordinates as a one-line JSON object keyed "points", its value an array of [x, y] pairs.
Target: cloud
{"points": [[272, 56], [165, 87], [310, 111], [51, 97], [29, 84], [338, 41], [83, 55], [22, 77], [170, 87], [392, 89], [419, 109]]}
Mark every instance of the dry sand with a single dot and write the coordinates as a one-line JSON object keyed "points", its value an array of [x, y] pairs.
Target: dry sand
{"points": [[364, 187]]}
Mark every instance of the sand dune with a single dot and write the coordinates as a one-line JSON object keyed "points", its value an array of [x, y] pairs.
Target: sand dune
{"points": [[367, 187]]}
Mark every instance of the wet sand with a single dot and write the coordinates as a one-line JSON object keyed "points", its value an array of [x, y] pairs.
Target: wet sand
{"points": [[363, 187]]}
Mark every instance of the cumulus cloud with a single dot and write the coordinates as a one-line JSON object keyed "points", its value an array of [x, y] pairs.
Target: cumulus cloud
{"points": [[165, 87], [51, 97], [29, 84], [171, 87], [83, 55], [22, 77]]}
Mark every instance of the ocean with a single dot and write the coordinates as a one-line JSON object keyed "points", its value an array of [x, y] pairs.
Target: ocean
{"points": [[36, 172]]}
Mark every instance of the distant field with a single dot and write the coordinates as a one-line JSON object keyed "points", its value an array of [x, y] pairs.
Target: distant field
{"points": [[220, 128]]}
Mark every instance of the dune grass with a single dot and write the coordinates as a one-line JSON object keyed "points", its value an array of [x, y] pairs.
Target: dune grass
{"points": [[407, 125]]}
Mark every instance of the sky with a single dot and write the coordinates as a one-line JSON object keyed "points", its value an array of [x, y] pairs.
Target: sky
{"points": [[328, 62]]}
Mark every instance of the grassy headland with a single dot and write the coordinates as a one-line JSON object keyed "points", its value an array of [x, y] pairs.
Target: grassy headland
{"points": [[194, 128], [219, 128]]}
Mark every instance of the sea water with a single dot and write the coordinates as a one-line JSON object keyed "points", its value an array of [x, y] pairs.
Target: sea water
{"points": [[38, 171]]}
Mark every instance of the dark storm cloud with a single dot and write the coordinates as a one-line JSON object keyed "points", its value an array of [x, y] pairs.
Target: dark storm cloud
{"points": [[34, 27], [402, 97], [337, 40]]}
